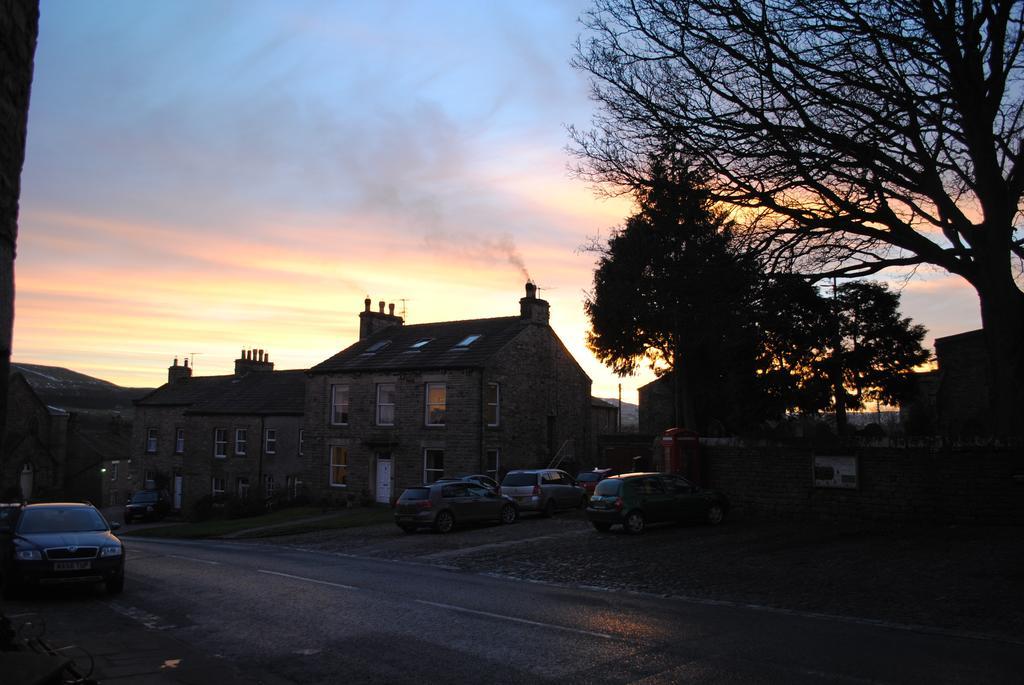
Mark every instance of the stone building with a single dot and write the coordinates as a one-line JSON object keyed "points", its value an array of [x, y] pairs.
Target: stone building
{"points": [[409, 404], [223, 436]]}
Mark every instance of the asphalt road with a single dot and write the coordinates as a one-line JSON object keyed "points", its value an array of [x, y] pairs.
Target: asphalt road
{"points": [[282, 614]]}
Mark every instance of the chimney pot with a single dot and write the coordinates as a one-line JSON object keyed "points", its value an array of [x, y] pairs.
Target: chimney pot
{"points": [[176, 363], [366, 303], [391, 309], [381, 305], [531, 290]]}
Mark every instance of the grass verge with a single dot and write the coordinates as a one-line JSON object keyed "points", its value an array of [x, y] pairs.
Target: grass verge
{"points": [[281, 522]]}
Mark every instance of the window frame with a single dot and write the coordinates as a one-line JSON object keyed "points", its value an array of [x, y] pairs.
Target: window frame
{"points": [[381, 405], [113, 469], [220, 443], [214, 491], [152, 440], [269, 441], [488, 471], [428, 405], [241, 441], [433, 470], [335, 388], [496, 404], [341, 465], [302, 441], [179, 440], [268, 484], [242, 487]]}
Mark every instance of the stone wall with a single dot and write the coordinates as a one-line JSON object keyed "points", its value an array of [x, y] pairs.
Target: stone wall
{"points": [[903, 484]]}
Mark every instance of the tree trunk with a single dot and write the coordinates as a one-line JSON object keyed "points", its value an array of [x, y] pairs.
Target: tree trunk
{"points": [[1002, 317]]}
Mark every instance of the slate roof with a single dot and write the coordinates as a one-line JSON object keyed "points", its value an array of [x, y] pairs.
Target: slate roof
{"points": [[441, 352], [258, 392]]}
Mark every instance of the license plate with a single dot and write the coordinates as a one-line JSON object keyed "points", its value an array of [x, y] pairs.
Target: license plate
{"points": [[71, 565]]}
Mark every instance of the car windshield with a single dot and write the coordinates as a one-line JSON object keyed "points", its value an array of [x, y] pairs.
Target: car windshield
{"points": [[609, 486], [518, 480], [144, 497], [588, 477], [60, 520], [415, 493]]}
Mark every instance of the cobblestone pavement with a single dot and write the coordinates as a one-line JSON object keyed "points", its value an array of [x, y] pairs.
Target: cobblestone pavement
{"points": [[958, 578]]}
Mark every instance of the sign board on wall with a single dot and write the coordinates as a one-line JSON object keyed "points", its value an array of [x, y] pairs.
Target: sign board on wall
{"points": [[835, 472]]}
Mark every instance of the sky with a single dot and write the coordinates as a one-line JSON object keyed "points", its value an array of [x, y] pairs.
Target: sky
{"points": [[207, 176]]}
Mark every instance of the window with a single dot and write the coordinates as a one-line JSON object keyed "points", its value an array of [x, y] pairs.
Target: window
{"points": [[302, 440], [493, 464], [436, 400], [271, 441], [415, 347], [385, 404], [376, 347], [339, 405], [220, 442], [242, 487], [151, 440], [492, 404], [339, 467], [217, 489], [241, 441], [467, 341], [433, 465], [268, 484], [179, 441], [113, 470]]}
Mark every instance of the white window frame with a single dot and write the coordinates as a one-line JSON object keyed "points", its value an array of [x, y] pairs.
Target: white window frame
{"points": [[496, 403], [214, 490], [341, 464], [268, 484], [339, 410], [302, 442], [431, 474], [270, 441], [151, 440], [113, 470], [242, 487], [220, 443], [241, 441], [385, 405], [179, 441], [428, 405]]}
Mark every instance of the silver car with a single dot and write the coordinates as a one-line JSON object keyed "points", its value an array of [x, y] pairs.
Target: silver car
{"points": [[543, 490]]}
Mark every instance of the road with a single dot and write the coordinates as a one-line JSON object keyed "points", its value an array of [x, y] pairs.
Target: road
{"points": [[287, 615]]}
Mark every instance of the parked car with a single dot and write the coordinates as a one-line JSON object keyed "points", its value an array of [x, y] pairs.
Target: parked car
{"points": [[636, 499], [590, 479], [58, 543], [543, 490], [151, 505], [443, 504], [477, 478]]}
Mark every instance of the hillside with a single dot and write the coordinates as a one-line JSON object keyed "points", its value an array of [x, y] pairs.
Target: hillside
{"points": [[630, 413], [72, 391]]}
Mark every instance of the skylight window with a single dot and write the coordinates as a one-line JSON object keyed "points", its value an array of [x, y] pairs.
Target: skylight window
{"points": [[419, 343], [377, 347], [467, 341]]}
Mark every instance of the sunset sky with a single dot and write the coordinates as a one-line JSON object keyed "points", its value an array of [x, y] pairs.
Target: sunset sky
{"points": [[206, 176]]}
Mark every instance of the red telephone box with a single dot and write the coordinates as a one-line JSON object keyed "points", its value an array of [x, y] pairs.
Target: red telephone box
{"points": [[681, 453]]}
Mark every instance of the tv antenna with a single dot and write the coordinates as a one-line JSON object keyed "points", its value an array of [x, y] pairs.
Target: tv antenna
{"points": [[192, 359], [405, 310]]}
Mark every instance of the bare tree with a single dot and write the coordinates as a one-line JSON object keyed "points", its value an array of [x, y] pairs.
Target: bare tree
{"points": [[850, 136]]}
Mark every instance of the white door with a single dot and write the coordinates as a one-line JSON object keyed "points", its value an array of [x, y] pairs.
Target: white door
{"points": [[178, 482], [384, 481]]}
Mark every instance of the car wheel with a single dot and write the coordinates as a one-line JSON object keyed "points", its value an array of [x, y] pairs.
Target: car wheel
{"points": [[549, 509], [584, 501], [509, 514], [12, 590], [408, 529], [115, 585], [634, 522], [716, 514], [601, 527], [127, 520], [444, 522]]}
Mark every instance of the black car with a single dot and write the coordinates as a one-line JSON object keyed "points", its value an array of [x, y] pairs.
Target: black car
{"points": [[147, 505], [476, 478], [59, 543], [636, 499], [444, 504]]}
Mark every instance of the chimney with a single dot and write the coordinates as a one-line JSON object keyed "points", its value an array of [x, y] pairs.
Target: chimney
{"points": [[251, 361], [176, 373], [532, 309], [370, 322]]}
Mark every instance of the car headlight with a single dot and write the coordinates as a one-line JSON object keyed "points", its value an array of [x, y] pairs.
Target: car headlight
{"points": [[110, 551], [29, 555]]}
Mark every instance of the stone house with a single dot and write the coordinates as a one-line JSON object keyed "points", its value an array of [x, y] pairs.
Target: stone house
{"points": [[406, 405], [223, 436]]}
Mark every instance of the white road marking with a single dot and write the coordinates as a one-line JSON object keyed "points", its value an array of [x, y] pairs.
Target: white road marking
{"points": [[201, 561], [145, 618], [308, 580], [514, 619]]}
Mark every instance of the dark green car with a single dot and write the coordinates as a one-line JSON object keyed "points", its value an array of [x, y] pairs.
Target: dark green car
{"points": [[636, 499]]}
